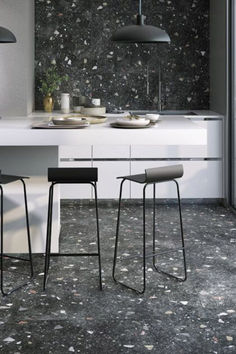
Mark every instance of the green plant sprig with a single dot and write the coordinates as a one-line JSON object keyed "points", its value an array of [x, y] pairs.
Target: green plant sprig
{"points": [[51, 81]]}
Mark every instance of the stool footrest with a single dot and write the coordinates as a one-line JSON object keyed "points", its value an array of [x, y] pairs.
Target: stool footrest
{"points": [[157, 269], [17, 288], [74, 254], [15, 257], [151, 254]]}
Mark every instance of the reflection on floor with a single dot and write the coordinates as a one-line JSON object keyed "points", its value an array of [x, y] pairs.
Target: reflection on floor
{"points": [[198, 316]]}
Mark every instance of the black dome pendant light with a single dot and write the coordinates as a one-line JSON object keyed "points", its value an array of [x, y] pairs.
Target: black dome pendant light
{"points": [[140, 33], [6, 36]]}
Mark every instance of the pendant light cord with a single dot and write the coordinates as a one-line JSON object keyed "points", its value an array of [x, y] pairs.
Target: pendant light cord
{"points": [[140, 7]]}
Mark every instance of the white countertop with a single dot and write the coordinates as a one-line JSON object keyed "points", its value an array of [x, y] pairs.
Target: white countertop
{"points": [[170, 130]]}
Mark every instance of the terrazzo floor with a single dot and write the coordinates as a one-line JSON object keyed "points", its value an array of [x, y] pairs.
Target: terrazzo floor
{"points": [[197, 316]]}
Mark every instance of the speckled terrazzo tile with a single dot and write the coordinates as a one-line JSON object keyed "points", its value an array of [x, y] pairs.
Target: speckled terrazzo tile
{"points": [[75, 36], [198, 316]]}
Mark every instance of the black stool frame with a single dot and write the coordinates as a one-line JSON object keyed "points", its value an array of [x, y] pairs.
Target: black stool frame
{"points": [[154, 254], [48, 253], [29, 243]]}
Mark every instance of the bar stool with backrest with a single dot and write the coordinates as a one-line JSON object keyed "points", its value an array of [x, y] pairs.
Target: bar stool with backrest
{"points": [[152, 176], [6, 179], [70, 176]]}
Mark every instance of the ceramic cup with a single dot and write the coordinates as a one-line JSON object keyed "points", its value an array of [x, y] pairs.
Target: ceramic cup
{"points": [[153, 117], [96, 101]]}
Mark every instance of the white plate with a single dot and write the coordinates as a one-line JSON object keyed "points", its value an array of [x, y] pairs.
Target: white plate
{"points": [[142, 122], [114, 125], [50, 125]]}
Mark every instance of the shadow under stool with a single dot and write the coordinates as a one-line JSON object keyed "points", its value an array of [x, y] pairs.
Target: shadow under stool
{"points": [[70, 176], [152, 176], [6, 179]]}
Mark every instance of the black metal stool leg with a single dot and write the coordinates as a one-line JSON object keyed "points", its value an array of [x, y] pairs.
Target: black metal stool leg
{"points": [[28, 229], [144, 243], [182, 240], [182, 232], [154, 227], [2, 255], [14, 257], [50, 228], [144, 239], [48, 238], [117, 232], [98, 236]]}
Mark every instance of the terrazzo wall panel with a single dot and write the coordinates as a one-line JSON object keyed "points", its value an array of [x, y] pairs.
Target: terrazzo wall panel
{"points": [[75, 36]]}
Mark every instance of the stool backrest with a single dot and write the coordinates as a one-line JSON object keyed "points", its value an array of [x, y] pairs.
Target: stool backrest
{"points": [[165, 173]]}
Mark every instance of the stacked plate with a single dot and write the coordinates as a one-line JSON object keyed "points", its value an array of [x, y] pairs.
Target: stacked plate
{"points": [[70, 121], [131, 123], [63, 123]]}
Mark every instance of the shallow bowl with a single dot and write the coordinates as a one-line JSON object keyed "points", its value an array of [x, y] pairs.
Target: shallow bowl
{"points": [[68, 121]]}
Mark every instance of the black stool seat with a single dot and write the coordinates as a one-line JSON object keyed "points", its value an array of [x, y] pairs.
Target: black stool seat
{"points": [[158, 174], [72, 175], [5, 179]]}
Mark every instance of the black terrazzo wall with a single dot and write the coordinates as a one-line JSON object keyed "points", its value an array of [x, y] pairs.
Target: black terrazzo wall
{"points": [[75, 35]]}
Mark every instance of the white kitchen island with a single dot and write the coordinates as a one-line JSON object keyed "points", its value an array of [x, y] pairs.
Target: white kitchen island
{"points": [[195, 142]]}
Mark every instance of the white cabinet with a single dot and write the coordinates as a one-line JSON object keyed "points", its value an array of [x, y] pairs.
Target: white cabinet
{"points": [[108, 184], [75, 152], [168, 151], [212, 149], [112, 161], [108, 160], [203, 176], [72, 156], [214, 128], [75, 191], [111, 151], [201, 179], [203, 170]]}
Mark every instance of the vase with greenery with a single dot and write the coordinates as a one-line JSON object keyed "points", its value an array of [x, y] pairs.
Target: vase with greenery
{"points": [[50, 82]]}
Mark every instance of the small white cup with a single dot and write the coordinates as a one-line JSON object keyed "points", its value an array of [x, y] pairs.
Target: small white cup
{"points": [[153, 117], [96, 101]]}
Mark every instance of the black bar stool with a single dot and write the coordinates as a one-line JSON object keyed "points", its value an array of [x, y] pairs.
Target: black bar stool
{"points": [[6, 179], [70, 176], [152, 176]]}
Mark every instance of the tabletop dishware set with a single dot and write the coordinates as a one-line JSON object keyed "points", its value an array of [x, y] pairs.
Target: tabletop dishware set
{"points": [[135, 122], [80, 121]]}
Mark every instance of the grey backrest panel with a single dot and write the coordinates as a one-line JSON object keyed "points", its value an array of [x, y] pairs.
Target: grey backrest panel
{"points": [[165, 173]]}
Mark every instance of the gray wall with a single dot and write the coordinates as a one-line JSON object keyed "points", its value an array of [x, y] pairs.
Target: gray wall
{"points": [[75, 36], [17, 60], [218, 56]]}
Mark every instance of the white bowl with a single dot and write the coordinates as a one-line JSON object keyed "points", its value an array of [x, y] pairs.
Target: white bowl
{"points": [[132, 122], [153, 117]]}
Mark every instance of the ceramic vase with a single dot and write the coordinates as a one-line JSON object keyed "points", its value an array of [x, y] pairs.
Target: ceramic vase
{"points": [[48, 103]]}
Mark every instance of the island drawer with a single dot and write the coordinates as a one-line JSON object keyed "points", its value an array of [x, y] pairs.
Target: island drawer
{"points": [[111, 151], [211, 150], [75, 152]]}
